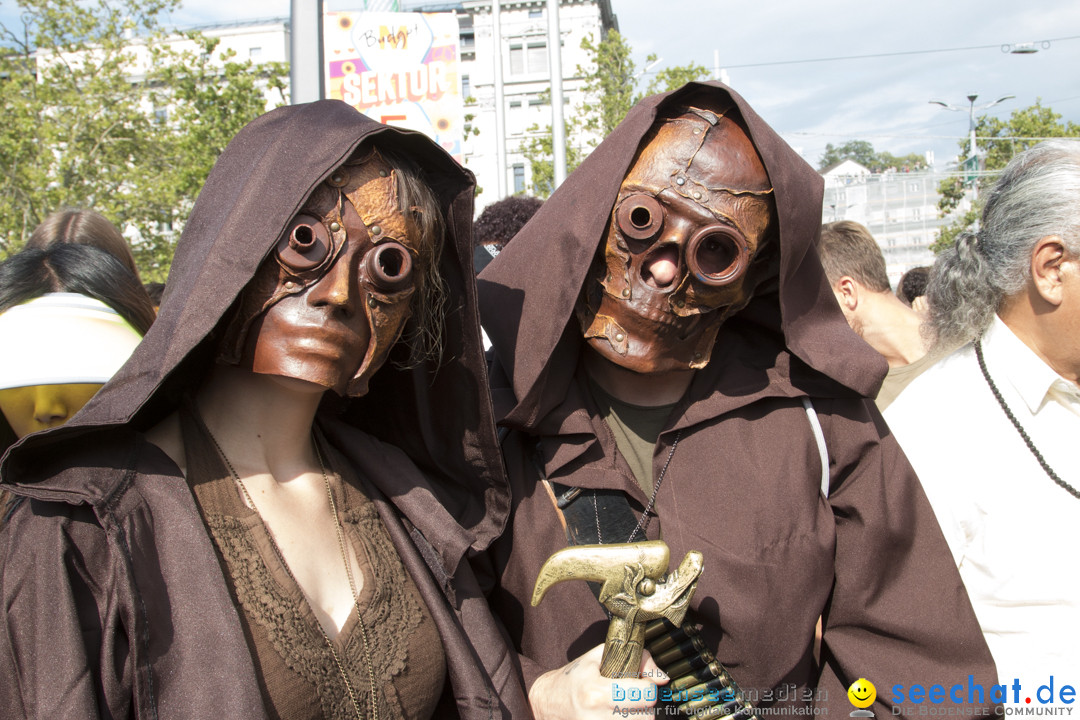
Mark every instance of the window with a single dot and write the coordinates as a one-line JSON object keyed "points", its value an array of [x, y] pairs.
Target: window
{"points": [[466, 86], [467, 34], [254, 53], [161, 115], [515, 119], [913, 186], [536, 13], [916, 213], [519, 177], [528, 56]]}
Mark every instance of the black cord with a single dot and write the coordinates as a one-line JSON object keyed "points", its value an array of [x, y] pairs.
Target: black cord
{"points": [[1020, 428]]}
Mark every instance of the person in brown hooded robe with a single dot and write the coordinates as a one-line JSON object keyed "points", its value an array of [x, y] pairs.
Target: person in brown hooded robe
{"points": [[215, 534], [670, 362]]}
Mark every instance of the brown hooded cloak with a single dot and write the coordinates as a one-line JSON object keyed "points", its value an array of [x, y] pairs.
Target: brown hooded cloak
{"points": [[743, 484], [115, 602]]}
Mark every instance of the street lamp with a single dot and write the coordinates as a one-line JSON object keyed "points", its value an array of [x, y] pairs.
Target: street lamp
{"points": [[971, 113], [972, 162]]}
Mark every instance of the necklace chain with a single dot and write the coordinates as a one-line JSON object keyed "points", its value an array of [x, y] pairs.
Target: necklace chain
{"points": [[348, 571], [646, 514], [1020, 428]]}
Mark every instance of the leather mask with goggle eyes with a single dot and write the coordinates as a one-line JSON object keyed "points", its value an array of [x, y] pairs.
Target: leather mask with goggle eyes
{"points": [[679, 256], [334, 294]]}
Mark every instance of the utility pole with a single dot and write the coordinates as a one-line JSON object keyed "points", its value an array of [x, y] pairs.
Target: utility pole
{"points": [[500, 106], [305, 50], [558, 122]]}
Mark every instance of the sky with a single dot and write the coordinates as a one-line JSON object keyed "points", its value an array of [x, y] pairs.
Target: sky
{"points": [[935, 50]]}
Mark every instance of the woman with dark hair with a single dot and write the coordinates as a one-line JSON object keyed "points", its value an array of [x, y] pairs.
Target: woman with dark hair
{"points": [[79, 269], [83, 227], [223, 537], [70, 315]]}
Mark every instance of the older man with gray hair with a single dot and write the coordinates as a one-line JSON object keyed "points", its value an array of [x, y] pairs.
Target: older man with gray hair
{"points": [[992, 430]]}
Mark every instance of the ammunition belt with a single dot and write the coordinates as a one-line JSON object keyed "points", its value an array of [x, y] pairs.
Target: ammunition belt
{"points": [[700, 686]]}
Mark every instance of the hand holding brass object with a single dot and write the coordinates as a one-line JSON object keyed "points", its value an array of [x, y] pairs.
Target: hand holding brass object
{"points": [[634, 590]]}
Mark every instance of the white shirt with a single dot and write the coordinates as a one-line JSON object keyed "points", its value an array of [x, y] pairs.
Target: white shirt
{"points": [[1014, 533]]}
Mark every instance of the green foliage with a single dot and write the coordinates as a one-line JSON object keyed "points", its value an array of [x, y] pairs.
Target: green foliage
{"points": [[610, 91], [538, 149], [998, 141], [671, 78], [863, 153], [85, 127]]}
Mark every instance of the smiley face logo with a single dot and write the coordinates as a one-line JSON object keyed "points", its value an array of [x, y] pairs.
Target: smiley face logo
{"points": [[862, 693]]}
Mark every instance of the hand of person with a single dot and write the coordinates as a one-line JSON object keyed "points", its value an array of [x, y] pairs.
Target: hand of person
{"points": [[577, 691]]}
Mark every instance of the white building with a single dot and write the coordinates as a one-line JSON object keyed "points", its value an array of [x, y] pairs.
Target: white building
{"points": [[524, 53], [899, 208], [525, 71]]}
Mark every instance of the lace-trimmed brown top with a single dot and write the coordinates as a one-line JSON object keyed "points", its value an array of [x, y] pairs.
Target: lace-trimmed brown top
{"points": [[298, 677]]}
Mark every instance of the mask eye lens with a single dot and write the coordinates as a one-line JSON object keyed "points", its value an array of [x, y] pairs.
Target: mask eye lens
{"points": [[639, 217], [304, 245], [717, 255], [388, 266]]}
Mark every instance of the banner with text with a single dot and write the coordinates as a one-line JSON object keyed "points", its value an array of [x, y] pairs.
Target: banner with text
{"points": [[400, 69]]}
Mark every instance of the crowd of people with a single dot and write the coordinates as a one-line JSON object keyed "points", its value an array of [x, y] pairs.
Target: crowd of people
{"points": [[319, 473]]}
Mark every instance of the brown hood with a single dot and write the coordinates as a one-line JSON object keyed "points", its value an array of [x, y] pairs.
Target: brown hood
{"points": [[527, 294], [439, 415]]}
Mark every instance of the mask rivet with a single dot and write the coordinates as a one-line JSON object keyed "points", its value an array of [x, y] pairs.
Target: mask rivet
{"points": [[619, 337], [608, 279], [680, 303], [697, 196], [626, 292], [697, 356], [697, 131], [289, 284], [680, 181], [383, 173], [372, 302], [334, 226], [376, 230]]}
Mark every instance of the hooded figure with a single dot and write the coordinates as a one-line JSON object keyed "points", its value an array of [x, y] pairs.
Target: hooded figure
{"points": [[765, 454], [156, 569]]}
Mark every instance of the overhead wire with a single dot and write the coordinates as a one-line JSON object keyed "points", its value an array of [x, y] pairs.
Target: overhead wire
{"points": [[1043, 43]]}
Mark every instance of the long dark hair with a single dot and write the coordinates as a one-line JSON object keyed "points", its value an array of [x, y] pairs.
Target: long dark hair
{"points": [[79, 269], [83, 227]]}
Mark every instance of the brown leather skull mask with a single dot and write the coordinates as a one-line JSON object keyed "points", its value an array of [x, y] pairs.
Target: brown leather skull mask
{"points": [[333, 296], [689, 221]]}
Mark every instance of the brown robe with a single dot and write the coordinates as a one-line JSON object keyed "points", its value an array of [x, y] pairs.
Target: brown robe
{"points": [[743, 486], [115, 602]]}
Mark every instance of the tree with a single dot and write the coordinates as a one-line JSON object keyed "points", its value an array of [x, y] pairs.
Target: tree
{"points": [[209, 96], [84, 127], [610, 91], [863, 153], [998, 141]]}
